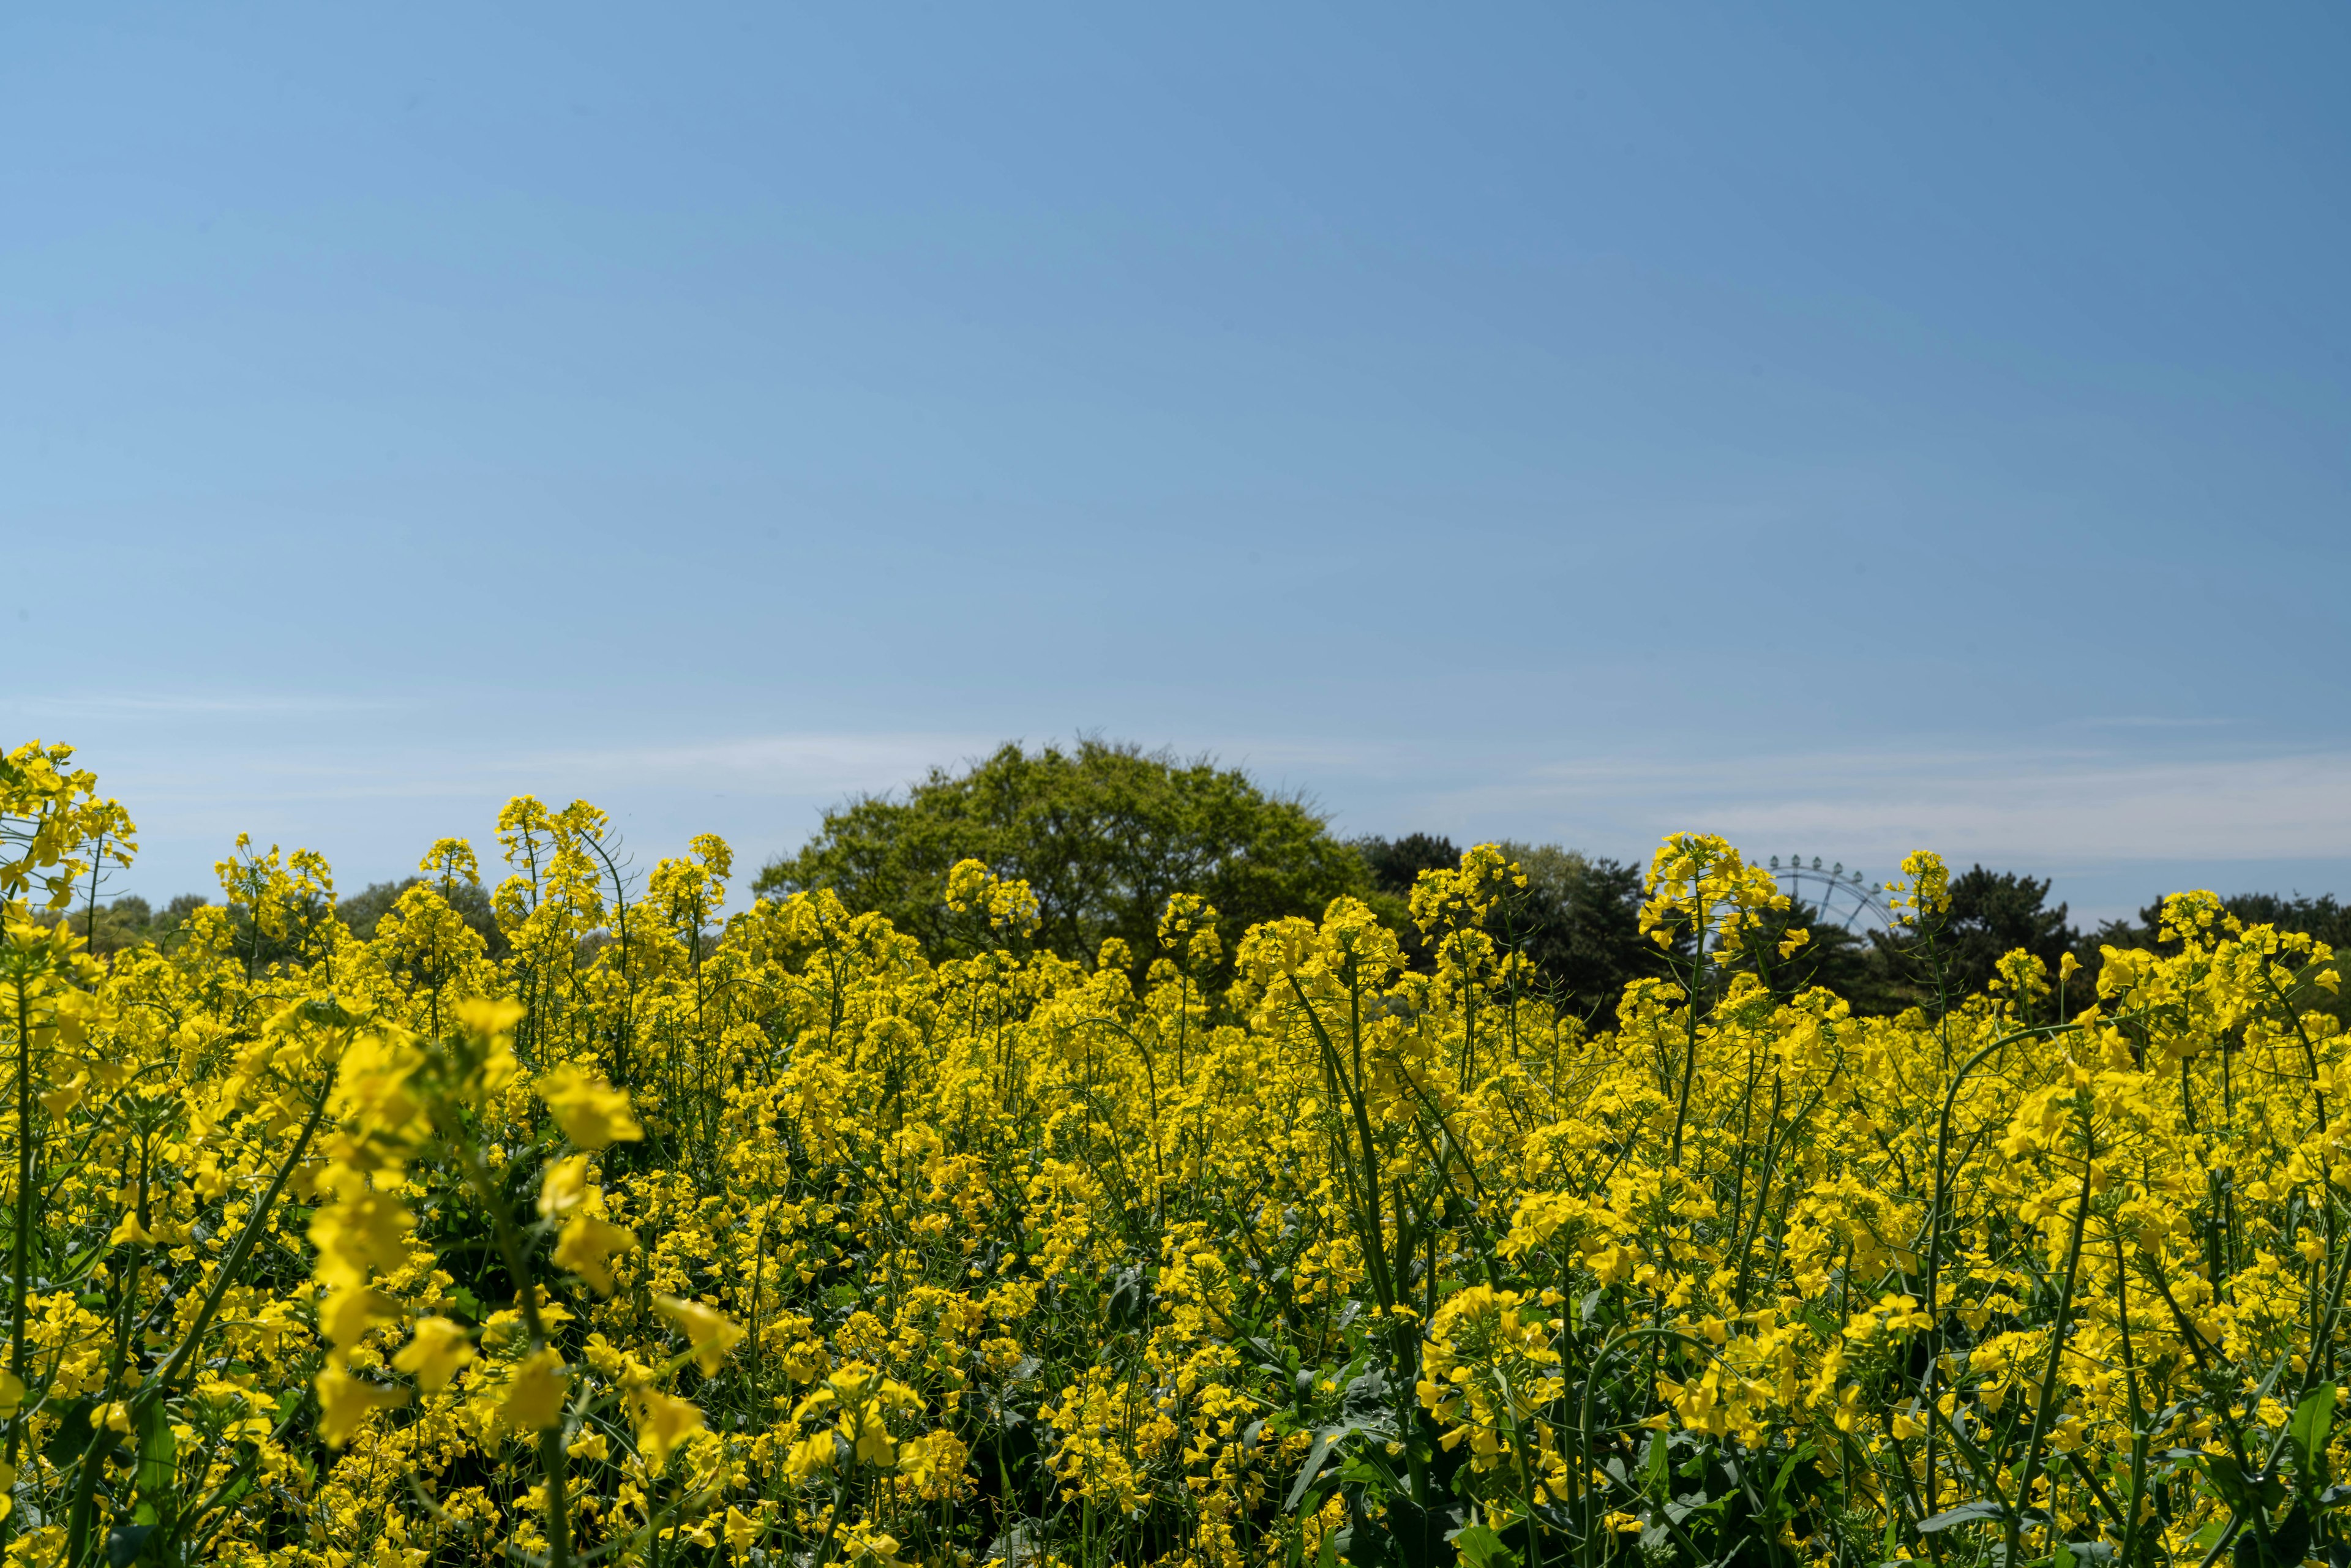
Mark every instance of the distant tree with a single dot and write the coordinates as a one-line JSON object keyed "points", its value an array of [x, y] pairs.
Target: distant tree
{"points": [[128, 921], [1103, 833], [1577, 920], [1831, 957], [1395, 864], [1991, 915], [364, 909], [2322, 917], [1392, 865]]}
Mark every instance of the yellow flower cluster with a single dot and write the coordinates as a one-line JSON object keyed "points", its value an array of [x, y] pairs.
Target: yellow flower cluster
{"points": [[636, 1229]]}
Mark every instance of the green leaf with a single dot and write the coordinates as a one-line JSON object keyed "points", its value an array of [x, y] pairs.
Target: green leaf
{"points": [[1653, 1481], [2228, 1480], [1313, 1465], [159, 1448], [2314, 1420], [1482, 1548], [1980, 1509], [1367, 1401], [127, 1543], [2288, 1542], [74, 1433]]}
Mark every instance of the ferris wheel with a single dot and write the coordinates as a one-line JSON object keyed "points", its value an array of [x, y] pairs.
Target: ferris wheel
{"points": [[1841, 897]]}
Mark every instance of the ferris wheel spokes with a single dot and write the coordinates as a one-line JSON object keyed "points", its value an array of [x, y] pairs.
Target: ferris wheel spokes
{"points": [[1843, 898]]}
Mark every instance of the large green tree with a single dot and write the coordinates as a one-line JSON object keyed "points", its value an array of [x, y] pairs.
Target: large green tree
{"points": [[1102, 832]]}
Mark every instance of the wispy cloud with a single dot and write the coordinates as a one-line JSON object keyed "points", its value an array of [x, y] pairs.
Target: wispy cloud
{"points": [[790, 764], [373, 798], [793, 766], [195, 704], [2075, 806]]}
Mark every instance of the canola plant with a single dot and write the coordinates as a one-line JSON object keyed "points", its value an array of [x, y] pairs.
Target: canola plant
{"points": [[678, 1236]]}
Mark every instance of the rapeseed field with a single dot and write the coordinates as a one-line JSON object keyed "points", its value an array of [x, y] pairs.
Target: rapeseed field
{"points": [[675, 1231]]}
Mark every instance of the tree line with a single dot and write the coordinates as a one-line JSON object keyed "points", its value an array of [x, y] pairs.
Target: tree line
{"points": [[1104, 832]]}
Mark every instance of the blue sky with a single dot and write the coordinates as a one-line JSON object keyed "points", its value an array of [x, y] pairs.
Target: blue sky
{"points": [[1850, 428]]}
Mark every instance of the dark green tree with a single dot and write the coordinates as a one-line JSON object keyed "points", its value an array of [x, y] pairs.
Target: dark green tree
{"points": [[128, 921], [1103, 833], [1991, 915], [1577, 920], [1394, 865], [2322, 917], [361, 911], [1831, 957]]}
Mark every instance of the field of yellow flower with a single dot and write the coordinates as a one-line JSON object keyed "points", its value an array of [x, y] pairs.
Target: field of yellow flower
{"points": [[677, 1235]]}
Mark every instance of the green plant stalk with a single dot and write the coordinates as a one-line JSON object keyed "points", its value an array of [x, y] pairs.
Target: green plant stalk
{"points": [[2040, 1430], [20, 1262], [551, 1455]]}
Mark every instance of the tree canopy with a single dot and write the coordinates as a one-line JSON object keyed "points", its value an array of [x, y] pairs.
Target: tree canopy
{"points": [[1577, 920], [1991, 915], [1103, 834]]}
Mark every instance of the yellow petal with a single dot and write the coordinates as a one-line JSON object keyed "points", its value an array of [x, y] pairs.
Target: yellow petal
{"points": [[534, 1400], [348, 1313], [563, 1187], [591, 1113], [344, 1401], [663, 1422], [435, 1353], [710, 1335], [586, 1247]]}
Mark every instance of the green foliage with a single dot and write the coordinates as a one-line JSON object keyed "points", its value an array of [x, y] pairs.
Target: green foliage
{"points": [[2322, 917], [1992, 914], [1579, 920], [1831, 957], [1103, 834], [363, 910], [1393, 866], [127, 922]]}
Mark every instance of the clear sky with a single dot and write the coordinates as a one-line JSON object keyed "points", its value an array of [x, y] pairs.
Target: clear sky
{"points": [[1847, 427]]}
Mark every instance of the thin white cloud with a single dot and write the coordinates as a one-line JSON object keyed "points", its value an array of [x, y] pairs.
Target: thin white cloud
{"points": [[375, 801], [196, 704], [790, 765], [2077, 807]]}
